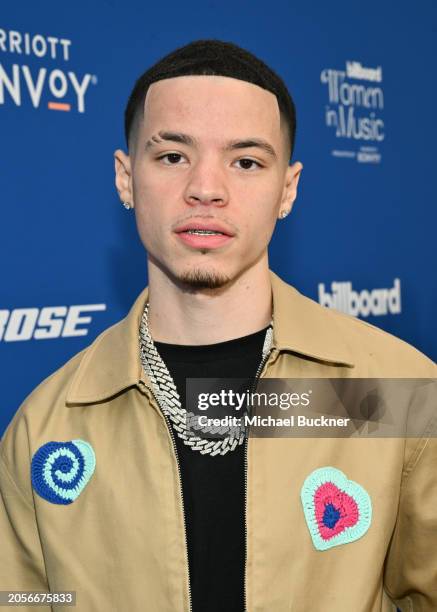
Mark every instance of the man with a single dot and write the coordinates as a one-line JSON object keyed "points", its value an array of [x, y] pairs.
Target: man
{"points": [[105, 493]]}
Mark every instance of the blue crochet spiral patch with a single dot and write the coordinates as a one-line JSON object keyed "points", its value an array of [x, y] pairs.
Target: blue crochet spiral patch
{"points": [[61, 470]]}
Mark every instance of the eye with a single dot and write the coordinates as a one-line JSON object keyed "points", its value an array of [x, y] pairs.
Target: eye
{"points": [[173, 158], [246, 160]]}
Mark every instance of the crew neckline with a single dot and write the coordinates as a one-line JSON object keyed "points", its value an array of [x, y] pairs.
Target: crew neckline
{"points": [[218, 350]]}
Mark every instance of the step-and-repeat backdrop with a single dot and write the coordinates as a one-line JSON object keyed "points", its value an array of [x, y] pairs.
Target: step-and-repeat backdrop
{"points": [[361, 237]]}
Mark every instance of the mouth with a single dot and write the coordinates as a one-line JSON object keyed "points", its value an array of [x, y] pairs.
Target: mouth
{"points": [[204, 235]]}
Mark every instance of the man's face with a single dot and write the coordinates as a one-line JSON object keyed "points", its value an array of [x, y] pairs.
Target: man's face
{"points": [[205, 207]]}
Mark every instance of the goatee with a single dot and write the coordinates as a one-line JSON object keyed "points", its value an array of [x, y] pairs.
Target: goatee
{"points": [[204, 279]]}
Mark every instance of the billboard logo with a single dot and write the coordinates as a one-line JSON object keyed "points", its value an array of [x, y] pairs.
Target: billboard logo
{"points": [[354, 110], [354, 70], [50, 85], [362, 303]]}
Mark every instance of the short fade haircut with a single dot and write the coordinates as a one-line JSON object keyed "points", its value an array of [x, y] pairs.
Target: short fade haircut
{"points": [[214, 58]]}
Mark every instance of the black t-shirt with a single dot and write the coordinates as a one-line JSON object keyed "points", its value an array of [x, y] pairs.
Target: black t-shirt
{"points": [[213, 487]]}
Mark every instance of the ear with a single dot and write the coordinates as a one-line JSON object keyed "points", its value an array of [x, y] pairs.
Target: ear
{"points": [[289, 193], [123, 176]]}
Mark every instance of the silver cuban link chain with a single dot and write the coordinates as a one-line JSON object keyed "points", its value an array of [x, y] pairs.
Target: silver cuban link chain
{"points": [[168, 398]]}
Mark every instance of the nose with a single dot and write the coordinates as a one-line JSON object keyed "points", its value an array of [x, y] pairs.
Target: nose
{"points": [[206, 186]]}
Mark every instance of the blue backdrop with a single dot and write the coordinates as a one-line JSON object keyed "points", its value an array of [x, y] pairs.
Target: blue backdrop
{"points": [[361, 235]]}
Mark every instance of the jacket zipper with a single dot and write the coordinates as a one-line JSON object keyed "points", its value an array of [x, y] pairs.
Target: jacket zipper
{"points": [[246, 443], [170, 429]]}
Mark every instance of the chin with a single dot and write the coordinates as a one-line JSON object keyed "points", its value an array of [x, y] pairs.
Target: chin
{"points": [[201, 278]]}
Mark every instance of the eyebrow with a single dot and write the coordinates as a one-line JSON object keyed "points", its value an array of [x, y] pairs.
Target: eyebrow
{"points": [[231, 145]]}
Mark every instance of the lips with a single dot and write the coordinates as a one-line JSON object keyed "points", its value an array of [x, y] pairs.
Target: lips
{"points": [[215, 227], [206, 234]]}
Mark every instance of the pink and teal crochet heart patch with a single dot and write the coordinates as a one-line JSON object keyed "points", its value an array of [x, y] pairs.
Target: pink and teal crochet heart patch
{"points": [[337, 510]]}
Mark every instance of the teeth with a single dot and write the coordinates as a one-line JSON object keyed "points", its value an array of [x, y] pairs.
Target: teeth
{"points": [[203, 232]]}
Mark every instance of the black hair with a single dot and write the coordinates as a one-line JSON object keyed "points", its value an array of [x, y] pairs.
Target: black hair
{"points": [[211, 57]]}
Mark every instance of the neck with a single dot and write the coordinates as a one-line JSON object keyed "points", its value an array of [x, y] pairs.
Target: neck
{"points": [[178, 316]]}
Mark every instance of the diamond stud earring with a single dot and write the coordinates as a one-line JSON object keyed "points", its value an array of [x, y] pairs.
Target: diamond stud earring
{"points": [[127, 205], [284, 213]]}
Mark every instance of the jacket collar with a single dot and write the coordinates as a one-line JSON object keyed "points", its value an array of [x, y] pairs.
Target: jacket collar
{"points": [[303, 326], [112, 363]]}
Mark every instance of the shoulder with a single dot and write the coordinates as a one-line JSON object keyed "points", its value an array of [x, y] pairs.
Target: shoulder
{"points": [[107, 366], [48, 399], [39, 405], [306, 327], [375, 349], [43, 404]]}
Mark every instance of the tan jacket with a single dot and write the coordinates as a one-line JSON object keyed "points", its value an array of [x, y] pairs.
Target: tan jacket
{"points": [[121, 544]]}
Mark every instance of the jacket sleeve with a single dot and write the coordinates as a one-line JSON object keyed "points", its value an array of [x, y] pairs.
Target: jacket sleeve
{"points": [[411, 563], [21, 559]]}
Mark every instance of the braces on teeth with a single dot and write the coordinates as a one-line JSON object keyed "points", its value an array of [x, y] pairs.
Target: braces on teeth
{"points": [[199, 231]]}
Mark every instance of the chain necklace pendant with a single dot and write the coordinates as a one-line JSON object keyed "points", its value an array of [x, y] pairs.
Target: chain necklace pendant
{"points": [[168, 398]]}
